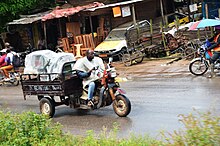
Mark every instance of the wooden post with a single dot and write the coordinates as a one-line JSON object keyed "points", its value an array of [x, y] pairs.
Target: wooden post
{"points": [[188, 1], [151, 31], [60, 28], [198, 34], [163, 39], [177, 23], [134, 21], [212, 31], [219, 13], [206, 11], [161, 9], [45, 33], [83, 25], [151, 26], [91, 26]]}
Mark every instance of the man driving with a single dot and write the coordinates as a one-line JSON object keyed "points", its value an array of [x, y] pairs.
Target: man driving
{"points": [[86, 69], [216, 51]]}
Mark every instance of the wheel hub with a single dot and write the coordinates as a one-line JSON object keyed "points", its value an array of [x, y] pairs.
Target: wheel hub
{"points": [[121, 105], [46, 108]]}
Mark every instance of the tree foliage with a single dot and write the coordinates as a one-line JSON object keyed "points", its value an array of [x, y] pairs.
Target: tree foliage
{"points": [[11, 9]]}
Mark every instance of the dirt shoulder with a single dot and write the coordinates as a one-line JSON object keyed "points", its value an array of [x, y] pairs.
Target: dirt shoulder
{"points": [[153, 68]]}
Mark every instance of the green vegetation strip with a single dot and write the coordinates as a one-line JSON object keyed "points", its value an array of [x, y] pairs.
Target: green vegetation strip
{"points": [[30, 129]]}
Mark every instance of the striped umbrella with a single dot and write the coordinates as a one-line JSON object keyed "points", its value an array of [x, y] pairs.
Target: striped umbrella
{"points": [[205, 23]]}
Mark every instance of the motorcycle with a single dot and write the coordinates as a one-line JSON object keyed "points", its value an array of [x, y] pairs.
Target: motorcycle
{"points": [[14, 77], [68, 86], [200, 65]]}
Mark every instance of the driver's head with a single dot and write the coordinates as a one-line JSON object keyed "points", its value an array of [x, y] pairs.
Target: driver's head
{"points": [[90, 54]]}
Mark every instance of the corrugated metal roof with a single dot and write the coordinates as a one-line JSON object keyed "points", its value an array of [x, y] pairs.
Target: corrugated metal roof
{"points": [[66, 12], [114, 5], [58, 13], [28, 19]]}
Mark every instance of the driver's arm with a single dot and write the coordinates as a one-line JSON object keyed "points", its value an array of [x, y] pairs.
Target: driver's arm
{"points": [[82, 74]]}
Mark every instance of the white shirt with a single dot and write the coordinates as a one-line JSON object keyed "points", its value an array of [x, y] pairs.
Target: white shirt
{"points": [[10, 56], [83, 64]]}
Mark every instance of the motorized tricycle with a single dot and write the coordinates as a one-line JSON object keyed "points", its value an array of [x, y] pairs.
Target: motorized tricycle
{"points": [[69, 88]]}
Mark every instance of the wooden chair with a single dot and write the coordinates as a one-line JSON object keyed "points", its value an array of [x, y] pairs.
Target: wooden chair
{"points": [[66, 46], [86, 41]]}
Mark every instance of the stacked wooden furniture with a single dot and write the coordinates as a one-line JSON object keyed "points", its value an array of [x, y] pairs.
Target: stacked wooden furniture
{"points": [[67, 47], [87, 42]]}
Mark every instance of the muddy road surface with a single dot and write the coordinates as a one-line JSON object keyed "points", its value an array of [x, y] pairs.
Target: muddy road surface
{"points": [[158, 93]]}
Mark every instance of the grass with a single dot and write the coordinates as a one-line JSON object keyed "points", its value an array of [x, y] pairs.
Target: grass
{"points": [[30, 129]]}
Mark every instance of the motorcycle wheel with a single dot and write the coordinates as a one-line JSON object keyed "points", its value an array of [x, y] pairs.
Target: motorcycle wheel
{"points": [[198, 67], [47, 106], [1, 77], [121, 105], [139, 57], [15, 82], [126, 59]]}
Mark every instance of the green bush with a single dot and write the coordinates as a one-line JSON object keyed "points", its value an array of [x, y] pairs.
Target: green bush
{"points": [[30, 129], [201, 129]]}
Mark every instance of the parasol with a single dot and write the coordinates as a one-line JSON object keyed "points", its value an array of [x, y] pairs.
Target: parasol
{"points": [[205, 23]]}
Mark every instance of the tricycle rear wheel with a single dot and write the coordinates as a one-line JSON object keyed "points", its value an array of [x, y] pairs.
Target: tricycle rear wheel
{"points": [[126, 59], [47, 106], [39, 97], [139, 56]]}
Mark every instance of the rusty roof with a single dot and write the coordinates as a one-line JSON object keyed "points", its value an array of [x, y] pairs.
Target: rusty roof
{"points": [[64, 12], [114, 5], [58, 12]]}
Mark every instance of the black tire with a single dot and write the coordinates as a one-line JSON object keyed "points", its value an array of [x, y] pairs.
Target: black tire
{"points": [[47, 106], [15, 82], [15, 79], [198, 67], [121, 105], [190, 53], [126, 59], [39, 97], [139, 57], [1, 75]]}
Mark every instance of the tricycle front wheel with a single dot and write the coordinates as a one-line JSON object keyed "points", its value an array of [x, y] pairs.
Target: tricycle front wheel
{"points": [[122, 105], [47, 106]]}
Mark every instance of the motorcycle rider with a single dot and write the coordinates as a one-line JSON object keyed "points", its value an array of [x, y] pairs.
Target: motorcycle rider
{"points": [[86, 69], [216, 49], [9, 60], [3, 61]]}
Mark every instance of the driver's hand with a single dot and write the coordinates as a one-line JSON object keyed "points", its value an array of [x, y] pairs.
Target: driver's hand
{"points": [[90, 70]]}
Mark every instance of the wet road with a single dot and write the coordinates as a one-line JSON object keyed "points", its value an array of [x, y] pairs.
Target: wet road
{"points": [[158, 94]]}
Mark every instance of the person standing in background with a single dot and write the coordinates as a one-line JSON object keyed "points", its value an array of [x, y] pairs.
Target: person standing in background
{"points": [[41, 44]]}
